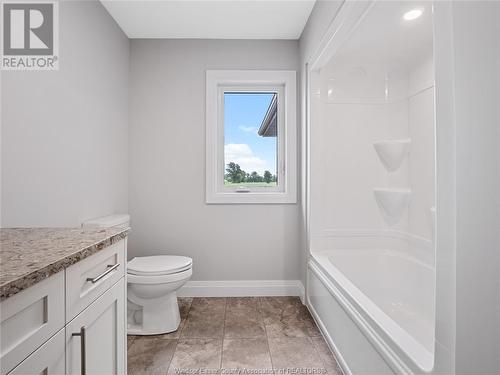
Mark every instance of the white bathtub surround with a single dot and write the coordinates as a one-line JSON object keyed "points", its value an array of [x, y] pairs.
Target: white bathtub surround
{"points": [[393, 203], [392, 152], [371, 276]]}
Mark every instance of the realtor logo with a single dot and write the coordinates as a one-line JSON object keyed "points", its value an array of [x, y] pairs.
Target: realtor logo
{"points": [[30, 35]]}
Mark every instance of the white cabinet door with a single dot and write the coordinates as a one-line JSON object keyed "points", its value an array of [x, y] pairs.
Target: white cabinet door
{"points": [[101, 330], [46, 360], [28, 319]]}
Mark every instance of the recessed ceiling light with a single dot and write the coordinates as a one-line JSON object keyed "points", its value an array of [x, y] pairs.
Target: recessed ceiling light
{"points": [[412, 14]]}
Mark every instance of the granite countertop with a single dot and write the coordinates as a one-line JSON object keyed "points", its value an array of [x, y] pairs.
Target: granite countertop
{"points": [[30, 255]]}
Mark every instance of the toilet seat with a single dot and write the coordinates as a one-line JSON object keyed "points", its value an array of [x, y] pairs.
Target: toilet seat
{"points": [[160, 279], [158, 265]]}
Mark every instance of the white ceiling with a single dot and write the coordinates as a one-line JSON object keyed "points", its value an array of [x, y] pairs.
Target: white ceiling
{"points": [[229, 19], [384, 36]]}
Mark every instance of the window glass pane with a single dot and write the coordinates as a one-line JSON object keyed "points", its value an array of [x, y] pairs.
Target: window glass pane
{"points": [[250, 139]]}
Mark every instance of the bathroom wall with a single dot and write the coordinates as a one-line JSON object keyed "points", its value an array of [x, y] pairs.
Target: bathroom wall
{"points": [[476, 71], [65, 133], [167, 165], [321, 17]]}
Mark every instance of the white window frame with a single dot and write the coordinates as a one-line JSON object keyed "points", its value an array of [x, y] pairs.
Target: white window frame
{"points": [[282, 82]]}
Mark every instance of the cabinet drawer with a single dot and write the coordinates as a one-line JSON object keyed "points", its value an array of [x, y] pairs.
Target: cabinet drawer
{"points": [[47, 360], [29, 318], [89, 278]]}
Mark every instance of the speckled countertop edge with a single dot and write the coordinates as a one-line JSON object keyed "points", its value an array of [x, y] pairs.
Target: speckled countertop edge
{"points": [[46, 269]]}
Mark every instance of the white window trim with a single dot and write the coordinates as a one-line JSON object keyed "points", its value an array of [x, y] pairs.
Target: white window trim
{"points": [[218, 81]]}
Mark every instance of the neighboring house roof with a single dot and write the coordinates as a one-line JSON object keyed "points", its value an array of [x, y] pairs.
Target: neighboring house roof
{"points": [[269, 127]]}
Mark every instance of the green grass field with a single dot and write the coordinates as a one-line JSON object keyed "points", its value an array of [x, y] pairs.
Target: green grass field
{"points": [[250, 184]]}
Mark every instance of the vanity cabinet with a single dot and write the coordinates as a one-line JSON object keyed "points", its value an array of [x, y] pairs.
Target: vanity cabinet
{"points": [[73, 322], [30, 318], [90, 277], [95, 339], [46, 360]]}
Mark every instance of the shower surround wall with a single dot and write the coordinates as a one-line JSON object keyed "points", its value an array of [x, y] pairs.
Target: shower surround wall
{"points": [[359, 106], [371, 274]]}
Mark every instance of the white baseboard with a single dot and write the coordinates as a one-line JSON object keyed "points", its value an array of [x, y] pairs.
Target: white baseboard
{"points": [[242, 288]]}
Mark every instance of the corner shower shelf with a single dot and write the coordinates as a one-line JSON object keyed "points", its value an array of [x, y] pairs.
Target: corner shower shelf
{"points": [[392, 152], [392, 203]]}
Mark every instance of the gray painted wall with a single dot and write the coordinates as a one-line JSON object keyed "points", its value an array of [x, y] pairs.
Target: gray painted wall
{"points": [[167, 165], [477, 95], [321, 17], [65, 133]]}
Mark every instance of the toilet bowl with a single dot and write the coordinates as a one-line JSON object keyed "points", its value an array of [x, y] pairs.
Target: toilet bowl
{"points": [[152, 283]]}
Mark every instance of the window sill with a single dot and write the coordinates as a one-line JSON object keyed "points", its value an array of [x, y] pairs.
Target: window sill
{"points": [[251, 198]]}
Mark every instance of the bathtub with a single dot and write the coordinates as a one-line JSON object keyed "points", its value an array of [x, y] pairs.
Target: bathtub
{"points": [[375, 308]]}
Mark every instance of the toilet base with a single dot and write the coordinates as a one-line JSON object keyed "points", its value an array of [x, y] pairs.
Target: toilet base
{"points": [[138, 331], [153, 317]]}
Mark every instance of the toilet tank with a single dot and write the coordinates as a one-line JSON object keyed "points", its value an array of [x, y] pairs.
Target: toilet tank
{"points": [[119, 220]]}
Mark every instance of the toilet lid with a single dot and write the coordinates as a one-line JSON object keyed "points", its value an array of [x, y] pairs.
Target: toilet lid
{"points": [[157, 265]]}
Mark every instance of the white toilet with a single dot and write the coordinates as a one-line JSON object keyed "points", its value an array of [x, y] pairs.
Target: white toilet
{"points": [[152, 283]]}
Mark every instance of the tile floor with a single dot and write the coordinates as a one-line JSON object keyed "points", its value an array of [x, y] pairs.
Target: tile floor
{"points": [[231, 336]]}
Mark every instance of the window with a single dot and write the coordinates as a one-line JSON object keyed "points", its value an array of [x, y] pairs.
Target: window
{"points": [[250, 140], [251, 137]]}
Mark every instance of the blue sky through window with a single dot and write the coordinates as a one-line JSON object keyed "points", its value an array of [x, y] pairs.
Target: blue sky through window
{"points": [[243, 115]]}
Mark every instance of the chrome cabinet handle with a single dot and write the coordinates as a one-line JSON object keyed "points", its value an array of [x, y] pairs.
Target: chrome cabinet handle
{"points": [[83, 355], [110, 269]]}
